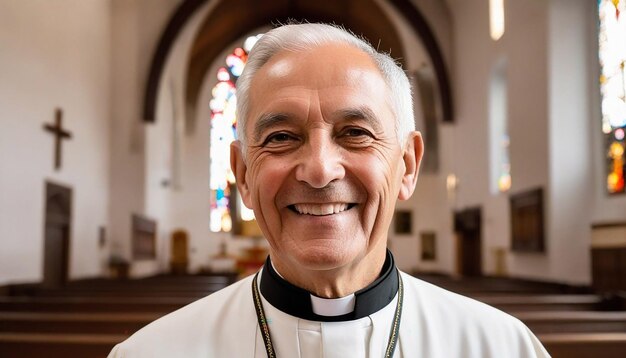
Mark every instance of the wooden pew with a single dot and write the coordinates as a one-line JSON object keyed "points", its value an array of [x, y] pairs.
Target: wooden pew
{"points": [[74, 323], [14, 345], [585, 345], [50, 323], [132, 286], [57, 345], [138, 290], [573, 321], [191, 294], [18, 345], [516, 303], [226, 279], [87, 318], [499, 285], [51, 345], [157, 284], [149, 287], [127, 323], [93, 304]]}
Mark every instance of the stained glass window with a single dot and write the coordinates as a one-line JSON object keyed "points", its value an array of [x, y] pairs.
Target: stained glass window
{"points": [[612, 52], [499, 134], [223, 132], [504, 180]]}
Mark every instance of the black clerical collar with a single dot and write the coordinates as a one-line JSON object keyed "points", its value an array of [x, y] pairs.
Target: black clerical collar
{"points": [[296, 301]]}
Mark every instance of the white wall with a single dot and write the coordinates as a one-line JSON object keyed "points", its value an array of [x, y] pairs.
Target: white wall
{"points": [[136, 29], [183, 203], [475, 57], [551, 95], [53, 54], [525, 45], [570, 133], [428, 204]]}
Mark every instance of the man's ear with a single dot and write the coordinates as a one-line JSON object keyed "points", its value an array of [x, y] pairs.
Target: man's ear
{"points": [[412, 157], [239, 168]]}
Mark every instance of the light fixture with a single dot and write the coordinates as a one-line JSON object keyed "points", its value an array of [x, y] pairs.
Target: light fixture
{"points": [[496, 19]]}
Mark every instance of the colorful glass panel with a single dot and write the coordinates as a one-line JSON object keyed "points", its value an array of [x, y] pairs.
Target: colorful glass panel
{"points": [[504, 180], [223, 132], [612, 53]]}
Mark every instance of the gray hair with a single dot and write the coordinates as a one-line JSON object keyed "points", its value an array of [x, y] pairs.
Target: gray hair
{"points": [[303, 37]]}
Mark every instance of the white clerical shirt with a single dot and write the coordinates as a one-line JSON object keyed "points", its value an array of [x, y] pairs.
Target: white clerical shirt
{"points": [[435, 323]]}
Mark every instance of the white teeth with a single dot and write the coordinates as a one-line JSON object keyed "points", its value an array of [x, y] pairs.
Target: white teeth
{"points": [[320, 209]]}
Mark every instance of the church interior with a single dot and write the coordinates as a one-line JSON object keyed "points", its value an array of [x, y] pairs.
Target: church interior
{"points": [[119, 205]]}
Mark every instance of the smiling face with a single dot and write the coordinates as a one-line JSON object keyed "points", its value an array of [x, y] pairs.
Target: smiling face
{"points": [[323, 167]]}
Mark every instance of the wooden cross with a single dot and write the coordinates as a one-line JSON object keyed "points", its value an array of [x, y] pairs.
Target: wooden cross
{"points": [[59, 135]]}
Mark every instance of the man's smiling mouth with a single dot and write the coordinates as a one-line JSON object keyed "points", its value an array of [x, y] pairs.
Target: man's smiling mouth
{"points": [[321, 209]]}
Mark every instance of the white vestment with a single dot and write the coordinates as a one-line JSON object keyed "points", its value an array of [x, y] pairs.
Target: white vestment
{"points": [[435, 324]]}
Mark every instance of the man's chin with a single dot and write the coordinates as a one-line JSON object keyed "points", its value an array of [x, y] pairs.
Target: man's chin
{"points": [[326, 258]]}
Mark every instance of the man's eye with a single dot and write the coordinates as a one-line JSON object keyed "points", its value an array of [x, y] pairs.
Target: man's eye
{"points": [[356, 132], [278, 138]]}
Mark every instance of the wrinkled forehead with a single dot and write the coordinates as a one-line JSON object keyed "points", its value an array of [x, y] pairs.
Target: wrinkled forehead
{"points": [[336, 75], [323, 64]]}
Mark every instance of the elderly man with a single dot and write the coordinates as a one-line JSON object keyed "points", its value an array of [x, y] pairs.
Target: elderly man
{"points": [[327, 145]]}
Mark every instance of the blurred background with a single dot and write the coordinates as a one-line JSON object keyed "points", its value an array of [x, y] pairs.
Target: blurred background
{"points": [[116, 116]]}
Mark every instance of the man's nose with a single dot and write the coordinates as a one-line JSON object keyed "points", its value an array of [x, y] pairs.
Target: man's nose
{"points": [[320, 163]]}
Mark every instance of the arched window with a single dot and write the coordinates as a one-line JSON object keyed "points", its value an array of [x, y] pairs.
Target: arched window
{"points": [[223, 132], [500, 177], [612, 52]]}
